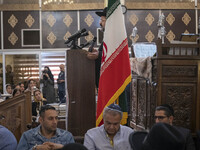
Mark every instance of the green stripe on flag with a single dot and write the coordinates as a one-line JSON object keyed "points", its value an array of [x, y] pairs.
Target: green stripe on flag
{"points": [[112, 5]]}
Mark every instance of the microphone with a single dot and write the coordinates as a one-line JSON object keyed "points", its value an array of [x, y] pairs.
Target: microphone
{"points": [[90, 42], [93, 42], [86, 44], [84, 34], [75, 35]]}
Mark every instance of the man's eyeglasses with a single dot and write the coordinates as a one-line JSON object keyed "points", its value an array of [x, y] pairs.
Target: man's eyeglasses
{"points": [[160, 117]]}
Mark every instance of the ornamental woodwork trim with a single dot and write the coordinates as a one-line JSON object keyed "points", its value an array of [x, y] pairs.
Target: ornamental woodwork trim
{"points": [[89, 20], [29, 20], [133, 99], [142, 87], [149, 19], [181, 98], [12, 20], [149, 36], [186, 19], [186, 71], [99, 5], [68, 20]]}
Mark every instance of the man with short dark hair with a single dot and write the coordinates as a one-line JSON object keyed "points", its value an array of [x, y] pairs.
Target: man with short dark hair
{"points": [[111, 135], [163, 136], [46, 136], [165, 114]]}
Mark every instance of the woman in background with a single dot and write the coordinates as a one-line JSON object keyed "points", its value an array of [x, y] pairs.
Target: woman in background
{"points": [[8, 91], [16, 92], [48, 85], [31, 87], [39, 101]]}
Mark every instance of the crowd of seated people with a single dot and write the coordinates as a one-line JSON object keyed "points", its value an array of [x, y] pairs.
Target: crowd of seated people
{"points": [[45, 83], [38, 97], [109, 136]]}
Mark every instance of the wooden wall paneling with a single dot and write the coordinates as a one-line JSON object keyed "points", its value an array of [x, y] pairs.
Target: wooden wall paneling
{"points": [[179, 89], [17, 19], [178, 84], [136, 18], [0, 29], [133, 102], [140, 101], [90, 21], [18, 114], [81, 89], [56, 32], [198, 98], [182, 97], [175, 24]]}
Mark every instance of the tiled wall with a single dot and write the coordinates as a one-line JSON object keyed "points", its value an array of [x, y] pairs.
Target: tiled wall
{"points": [[57, 26]]}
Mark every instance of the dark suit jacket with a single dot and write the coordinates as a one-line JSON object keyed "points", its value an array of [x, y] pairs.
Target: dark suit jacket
{"points": [[98, 65], [189, 141]]}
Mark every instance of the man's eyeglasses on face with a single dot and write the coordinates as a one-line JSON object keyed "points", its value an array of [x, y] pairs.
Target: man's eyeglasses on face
{"points": [[160, 117]]}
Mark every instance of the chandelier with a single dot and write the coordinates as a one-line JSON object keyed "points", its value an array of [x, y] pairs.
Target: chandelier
{"points": [[46, 2]]}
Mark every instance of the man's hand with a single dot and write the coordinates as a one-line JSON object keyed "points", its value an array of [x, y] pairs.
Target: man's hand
{"points": [[60, 81], [53, 146], [43, 147], [93, 55]]}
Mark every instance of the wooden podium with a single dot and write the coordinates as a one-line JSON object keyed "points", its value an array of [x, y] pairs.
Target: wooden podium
{"points": [[81, 90]]}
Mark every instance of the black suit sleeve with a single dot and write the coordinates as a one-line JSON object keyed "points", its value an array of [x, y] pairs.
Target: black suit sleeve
{"points": [[98, 65], [188, 137]]}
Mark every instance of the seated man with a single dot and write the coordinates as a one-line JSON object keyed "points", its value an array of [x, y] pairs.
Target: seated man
{"points": [[46, 136], [7, 139], [111, 135], [163, 136], [165, 114]]}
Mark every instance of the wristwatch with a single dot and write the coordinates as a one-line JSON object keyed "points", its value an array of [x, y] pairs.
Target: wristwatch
{"points": [[35, 147]]}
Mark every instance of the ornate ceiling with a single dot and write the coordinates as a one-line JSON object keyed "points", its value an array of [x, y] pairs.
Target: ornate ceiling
{"points": [[81, 1], [92, 4]]}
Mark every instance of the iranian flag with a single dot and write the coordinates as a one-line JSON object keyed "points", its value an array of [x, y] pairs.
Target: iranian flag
{"points": [[115, 72]]}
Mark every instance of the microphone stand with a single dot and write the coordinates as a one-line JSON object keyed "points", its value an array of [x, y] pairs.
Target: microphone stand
{"points": [[73, 43]]}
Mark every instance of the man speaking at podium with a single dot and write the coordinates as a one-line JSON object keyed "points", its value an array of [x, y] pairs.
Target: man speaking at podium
{"points": [[97, 54]]}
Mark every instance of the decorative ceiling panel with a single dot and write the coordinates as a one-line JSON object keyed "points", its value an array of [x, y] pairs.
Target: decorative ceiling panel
{"points": [[93, 4], [83, 1]]}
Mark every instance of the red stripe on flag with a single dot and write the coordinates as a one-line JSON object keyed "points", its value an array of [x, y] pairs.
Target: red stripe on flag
{"points": [[113, 81]]}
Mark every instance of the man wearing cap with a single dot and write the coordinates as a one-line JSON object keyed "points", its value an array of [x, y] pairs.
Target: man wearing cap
{"points": [[163, 136], [111, 135], [97, 54], [165, 114]]}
